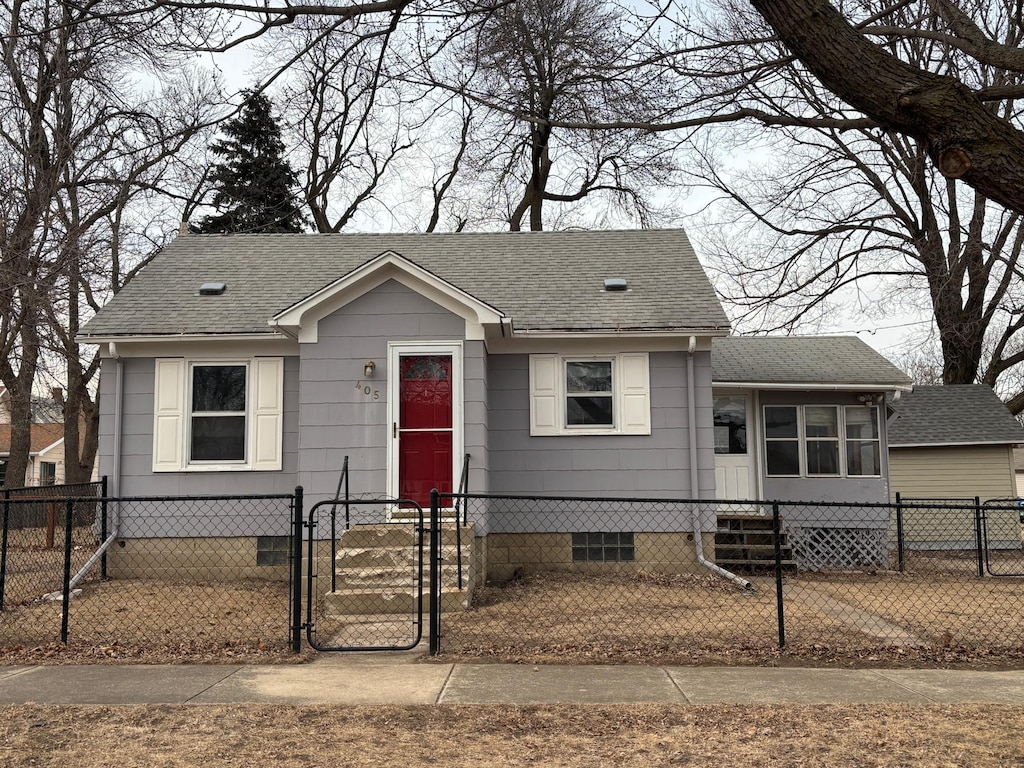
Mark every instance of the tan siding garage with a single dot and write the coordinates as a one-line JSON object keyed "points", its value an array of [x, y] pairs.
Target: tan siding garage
{"points": [[964, 471]]}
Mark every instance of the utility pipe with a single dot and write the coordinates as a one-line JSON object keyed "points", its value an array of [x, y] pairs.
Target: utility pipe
{"points": [[698, 533], [116, 470]]}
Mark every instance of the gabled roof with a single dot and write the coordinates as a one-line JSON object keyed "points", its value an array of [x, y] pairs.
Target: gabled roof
{"points": [[551, 281], [43, 436], [832, 362], [963, 414]]}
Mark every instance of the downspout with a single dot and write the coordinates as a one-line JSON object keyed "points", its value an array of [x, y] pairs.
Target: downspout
{"points": [[698, 533], [115, 470]]}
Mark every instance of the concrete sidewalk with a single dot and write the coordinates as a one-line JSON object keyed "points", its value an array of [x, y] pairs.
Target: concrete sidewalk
{"points": [[399, 679]]}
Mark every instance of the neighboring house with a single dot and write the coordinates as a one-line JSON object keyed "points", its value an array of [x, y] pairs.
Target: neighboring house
{"points": [[954, 442], [46, 451], [46, 454], [560, 362]]}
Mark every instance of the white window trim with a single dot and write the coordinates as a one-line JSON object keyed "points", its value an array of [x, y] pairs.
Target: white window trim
{"points": [[172, 415], [631, 395], [802, 439]]}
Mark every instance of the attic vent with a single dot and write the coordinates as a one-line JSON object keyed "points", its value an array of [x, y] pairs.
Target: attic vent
{"points": [[615, 284], [212, 289]]}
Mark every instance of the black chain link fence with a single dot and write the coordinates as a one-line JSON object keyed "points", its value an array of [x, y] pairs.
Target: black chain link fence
{"points": [[520, 578], [366, 574], [625, 579], [182, 578]]}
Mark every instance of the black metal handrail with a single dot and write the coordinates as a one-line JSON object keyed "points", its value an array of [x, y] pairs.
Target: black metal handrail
{"points": [[463, 487], [342, 486]]}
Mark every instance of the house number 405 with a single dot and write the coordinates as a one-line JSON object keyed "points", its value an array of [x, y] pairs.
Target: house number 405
{"points": [[368, 390]]}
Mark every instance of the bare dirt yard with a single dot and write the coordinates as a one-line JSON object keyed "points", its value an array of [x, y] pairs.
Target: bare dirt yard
{"points": [[398, 737]]}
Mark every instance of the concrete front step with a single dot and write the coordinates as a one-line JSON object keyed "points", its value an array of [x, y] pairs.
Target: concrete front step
{"points": [[356, 602], [398, 535], [394, 578], [377, 557]]}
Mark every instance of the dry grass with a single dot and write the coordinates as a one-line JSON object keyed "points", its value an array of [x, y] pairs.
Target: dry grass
{"points": [[155, 622], [569, 618], [397, 737], [935, 615]]}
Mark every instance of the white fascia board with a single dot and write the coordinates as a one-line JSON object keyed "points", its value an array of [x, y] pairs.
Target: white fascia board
{"points": [[675, 333], [589, 343], [225, 346], [814, 387], [301, 318], [41, 451]]}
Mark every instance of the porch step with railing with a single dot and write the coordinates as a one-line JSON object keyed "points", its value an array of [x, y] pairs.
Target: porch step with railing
{"points": [[748, 542], [377, 565]]}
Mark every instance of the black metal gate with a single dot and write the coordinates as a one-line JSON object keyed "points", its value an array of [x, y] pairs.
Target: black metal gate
{"points": [[365, 583], [1002, 534]]}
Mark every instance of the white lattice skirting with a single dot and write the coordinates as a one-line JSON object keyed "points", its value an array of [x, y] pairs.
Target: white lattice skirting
{"points": [[817, 549]]}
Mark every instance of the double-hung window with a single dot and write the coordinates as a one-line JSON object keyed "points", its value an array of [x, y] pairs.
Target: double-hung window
{"points": [[821, 441], [218, 414], [217, 428], [589, 398], [603, 394], [863, 447]]}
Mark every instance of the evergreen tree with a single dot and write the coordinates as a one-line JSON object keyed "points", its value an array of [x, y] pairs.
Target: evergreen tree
{"points": [[253, 187]]}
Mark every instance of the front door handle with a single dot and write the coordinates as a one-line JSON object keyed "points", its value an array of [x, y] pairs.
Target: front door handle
{"points": [[394, 429]]}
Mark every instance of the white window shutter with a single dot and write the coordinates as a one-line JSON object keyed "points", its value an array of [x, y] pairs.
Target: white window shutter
{"points": [[267, 409], [168, 415], [636, 394], [544, 394]]}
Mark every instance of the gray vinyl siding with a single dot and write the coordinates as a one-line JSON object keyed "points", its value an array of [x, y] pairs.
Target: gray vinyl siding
{"points": [[655, 465], [833, 489], [337, 419], [137, 477], [475, 376]]}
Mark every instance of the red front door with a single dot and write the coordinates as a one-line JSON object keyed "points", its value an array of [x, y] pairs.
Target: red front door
{"points": [[424, 428]]}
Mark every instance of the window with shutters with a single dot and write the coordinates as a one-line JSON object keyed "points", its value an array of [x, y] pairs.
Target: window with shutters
{"points": [[573, 395], [218, 415]]}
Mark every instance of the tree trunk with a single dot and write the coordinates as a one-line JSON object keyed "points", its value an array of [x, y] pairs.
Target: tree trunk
{"points": [[964, 138]]}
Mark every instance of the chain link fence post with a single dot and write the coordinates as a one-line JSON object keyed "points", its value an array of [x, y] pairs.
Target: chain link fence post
{"points": [[434, 581], [900, 555], [296, 572], [3, 546], [103, 525], [69, 521], [979, 536], [779, 602]]}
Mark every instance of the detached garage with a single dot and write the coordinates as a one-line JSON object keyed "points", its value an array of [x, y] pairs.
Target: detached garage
{"points": [[954, 444]]}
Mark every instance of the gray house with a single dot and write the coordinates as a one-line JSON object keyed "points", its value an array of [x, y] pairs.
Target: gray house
{"points": [[559, 363]]}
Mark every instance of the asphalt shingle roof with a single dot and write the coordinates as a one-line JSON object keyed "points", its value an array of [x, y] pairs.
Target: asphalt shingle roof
{"points": [[800, 360], [963, 414], [542, 280]]}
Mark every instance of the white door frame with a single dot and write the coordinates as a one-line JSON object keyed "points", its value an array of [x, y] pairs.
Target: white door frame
{"points": [[751, 460], [396, 350]]}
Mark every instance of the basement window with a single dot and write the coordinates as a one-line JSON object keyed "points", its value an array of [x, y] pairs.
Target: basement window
{"points": [[603, 548], [273, 550]]}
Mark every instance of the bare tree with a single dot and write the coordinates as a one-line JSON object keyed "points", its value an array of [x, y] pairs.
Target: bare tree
{"points": [[73, 145], [861, 214], [530, 67], [950, 115]]}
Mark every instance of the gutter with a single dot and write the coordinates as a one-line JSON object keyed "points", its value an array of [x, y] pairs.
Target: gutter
{"points": [[698, 533], [115, 472]]}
